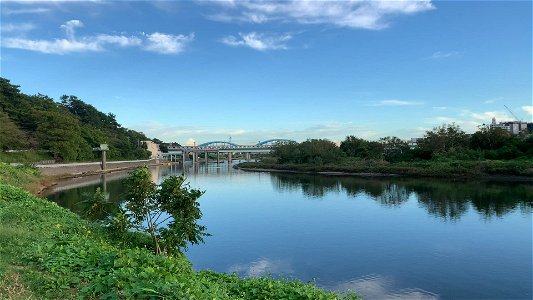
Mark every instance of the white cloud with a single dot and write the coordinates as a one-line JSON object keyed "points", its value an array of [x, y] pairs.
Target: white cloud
{"points": [[120, 40], [395, 102], [381, 287], [167, 43], [488, 115], [440, 107], [364, 14], [20, 11], [262, 267], [441, 55], [528, 109], [492, 100], [468, 120], [335, 131], [258, 41], [70, 27], [154, 42], [17, 27], [58, 46]]}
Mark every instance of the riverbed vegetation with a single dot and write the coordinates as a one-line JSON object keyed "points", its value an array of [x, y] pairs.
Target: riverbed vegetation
{"points": [[67, 130], [48, 252], [443, 151]]}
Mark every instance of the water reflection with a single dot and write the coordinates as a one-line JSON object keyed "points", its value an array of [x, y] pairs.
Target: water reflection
{"points": [[261, 267], [448, 200], [382, 287], [264, 224]]}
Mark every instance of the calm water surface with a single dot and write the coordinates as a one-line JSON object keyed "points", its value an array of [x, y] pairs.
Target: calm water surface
{"points": [[385, 238]]}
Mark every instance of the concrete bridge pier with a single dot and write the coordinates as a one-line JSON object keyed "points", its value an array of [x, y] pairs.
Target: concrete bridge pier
{"points": [[206, 157], [183, 157], [218, 157], [229, 157], [247, 156]]}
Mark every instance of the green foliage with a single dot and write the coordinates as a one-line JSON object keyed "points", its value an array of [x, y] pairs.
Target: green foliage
{"points": [[173, 202], [487, 138], [445, 143], [11, 136], [314, 151], [443, 167], [19, 176], [443, 139], [356, 147], [395, 149], [69, 129], [61, 256]]}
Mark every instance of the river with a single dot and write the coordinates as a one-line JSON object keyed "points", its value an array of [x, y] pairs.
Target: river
{"points": [[382, 237]]}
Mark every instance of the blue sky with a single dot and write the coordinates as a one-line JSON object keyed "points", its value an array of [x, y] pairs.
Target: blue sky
{"points": [[201, 70]]}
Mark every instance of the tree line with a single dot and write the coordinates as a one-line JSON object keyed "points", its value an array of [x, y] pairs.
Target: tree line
{"points": [[447, 141], [68, 129]]}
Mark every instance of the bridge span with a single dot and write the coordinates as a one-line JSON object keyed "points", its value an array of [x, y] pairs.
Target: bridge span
{"points": [[221, 148]]}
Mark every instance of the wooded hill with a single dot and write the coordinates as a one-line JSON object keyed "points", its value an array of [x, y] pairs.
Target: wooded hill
{"points": [[68, 129]]}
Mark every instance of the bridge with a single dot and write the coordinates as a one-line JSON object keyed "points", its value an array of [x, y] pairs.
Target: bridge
{"points": [[221, 147]]}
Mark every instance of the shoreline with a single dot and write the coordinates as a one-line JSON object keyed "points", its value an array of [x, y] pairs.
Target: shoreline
{"points": [[48, 181], [501, 177]]}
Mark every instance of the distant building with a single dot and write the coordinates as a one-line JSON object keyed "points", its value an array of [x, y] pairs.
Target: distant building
{"points": [[413, 142], [173, 148], [514, 127], [153, 148]]}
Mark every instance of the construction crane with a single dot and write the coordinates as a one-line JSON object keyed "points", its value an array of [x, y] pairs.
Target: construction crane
{"points": [[516, 118]]}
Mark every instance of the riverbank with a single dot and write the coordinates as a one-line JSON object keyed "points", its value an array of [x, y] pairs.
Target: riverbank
{"points": [[515, 170], [48, 252], [36, 180]]}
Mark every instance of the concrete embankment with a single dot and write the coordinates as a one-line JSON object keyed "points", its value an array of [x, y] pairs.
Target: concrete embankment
{"points": [[89, 168]]}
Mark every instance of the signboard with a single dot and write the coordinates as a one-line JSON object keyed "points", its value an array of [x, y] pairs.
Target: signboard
{"points": [[104, 147]]}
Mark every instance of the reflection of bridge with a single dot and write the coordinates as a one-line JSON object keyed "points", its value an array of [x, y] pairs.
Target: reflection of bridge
{"points": [[221, 147]]}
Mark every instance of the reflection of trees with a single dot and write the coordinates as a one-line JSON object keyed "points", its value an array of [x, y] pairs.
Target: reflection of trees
{"points": [[311, 185], [393, 195], [445, 199], [74, 199]]}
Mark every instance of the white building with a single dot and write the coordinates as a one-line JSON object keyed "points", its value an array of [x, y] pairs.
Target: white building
{"points": [[514, 127], [153, 148]]}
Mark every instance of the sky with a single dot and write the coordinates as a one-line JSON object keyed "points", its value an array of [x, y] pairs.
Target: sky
{"points": [[198, 71]]}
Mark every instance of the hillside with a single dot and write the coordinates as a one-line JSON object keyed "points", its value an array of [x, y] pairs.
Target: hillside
{"points": [[67, 130]]}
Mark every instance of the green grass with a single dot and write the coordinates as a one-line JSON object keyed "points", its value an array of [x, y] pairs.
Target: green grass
{"points": [[26, 157], [48, 252], [21, 176], [431, 168]]}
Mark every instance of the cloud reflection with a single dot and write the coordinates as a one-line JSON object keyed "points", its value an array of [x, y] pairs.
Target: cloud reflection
{"points": [[380, 287], [261, 267]]}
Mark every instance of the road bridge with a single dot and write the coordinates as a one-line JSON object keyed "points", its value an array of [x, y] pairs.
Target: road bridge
{"points": [[221, 147]]}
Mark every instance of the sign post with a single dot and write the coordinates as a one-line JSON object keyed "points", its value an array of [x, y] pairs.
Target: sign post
{"points": [[104, 148]]}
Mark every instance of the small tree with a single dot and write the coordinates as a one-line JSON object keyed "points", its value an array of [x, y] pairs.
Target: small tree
{"points": [[151, 206]]}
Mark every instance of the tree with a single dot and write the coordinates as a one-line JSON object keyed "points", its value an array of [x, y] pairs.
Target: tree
{"points": [[168, 212], [443, 139], [357, 147], [11, 137], [60, 133], [394, 149], [487, 138]]}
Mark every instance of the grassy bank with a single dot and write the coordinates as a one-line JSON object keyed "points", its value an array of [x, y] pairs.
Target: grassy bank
{"points": [[21, 176], [25, 157], [48, 252], [431, 168]]}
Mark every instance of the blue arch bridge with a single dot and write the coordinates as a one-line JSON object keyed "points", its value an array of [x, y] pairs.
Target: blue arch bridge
{"points": [[221, 148]]}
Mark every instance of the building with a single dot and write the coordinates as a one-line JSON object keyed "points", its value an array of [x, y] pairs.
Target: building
{"points": [[153, 148], [413, 142], [514, 127]]}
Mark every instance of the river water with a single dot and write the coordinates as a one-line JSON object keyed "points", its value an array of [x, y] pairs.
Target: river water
{"points": [[382, 237]]}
